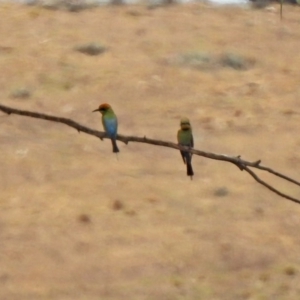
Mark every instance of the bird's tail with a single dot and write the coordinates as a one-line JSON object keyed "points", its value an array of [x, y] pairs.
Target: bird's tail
{"points": [[189, 169], [183, 156], [115, 146], [187, 159]]}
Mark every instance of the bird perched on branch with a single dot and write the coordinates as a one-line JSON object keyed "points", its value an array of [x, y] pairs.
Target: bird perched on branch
{"points": [[185, 138], [110, 124]]}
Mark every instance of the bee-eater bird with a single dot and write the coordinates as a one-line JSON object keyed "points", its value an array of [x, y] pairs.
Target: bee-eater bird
{"points": [[110, 123], [185, 138]]}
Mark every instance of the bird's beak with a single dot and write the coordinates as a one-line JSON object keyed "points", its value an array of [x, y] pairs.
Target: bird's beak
{"points": [[96, 110]]}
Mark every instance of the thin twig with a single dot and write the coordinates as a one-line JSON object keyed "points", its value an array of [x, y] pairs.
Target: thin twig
{"points": [[278, 174], [270, 187], [236, 160]]}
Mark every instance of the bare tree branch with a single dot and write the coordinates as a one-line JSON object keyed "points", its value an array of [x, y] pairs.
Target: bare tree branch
{"points": [[270, 187], [236, 160]]}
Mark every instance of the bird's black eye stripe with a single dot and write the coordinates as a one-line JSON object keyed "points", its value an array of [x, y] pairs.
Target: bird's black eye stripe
{"points": [[185, 123]]}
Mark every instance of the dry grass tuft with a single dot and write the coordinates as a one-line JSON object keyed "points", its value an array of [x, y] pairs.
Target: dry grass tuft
{"points": [[65, 5], [221, 192], [290, 270], [209, 62], [21, 93], [235, 61], [91, 49]]}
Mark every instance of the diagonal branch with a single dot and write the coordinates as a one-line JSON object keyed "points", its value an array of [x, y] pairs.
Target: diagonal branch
{"points": [[270, 187], [278, 174], [236, 160]]}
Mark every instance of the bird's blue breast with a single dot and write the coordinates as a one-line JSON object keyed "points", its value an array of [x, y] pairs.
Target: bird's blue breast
{"points": [[111, 126]]}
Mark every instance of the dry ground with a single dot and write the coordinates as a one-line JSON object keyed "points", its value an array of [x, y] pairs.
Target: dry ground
{"points": [[63, 234]]}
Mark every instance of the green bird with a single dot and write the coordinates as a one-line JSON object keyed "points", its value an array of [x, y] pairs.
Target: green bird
{"points": [[185, 138], [110, 124]]}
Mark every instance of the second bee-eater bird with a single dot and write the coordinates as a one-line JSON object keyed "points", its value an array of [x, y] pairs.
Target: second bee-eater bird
{"points": [[185, 138], [110, 123]]}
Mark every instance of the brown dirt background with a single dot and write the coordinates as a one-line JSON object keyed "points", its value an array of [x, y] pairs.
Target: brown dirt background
{"points": [[61, 235]]}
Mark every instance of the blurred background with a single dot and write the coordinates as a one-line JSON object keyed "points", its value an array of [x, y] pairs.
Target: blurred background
{"points": [[78, 222]]}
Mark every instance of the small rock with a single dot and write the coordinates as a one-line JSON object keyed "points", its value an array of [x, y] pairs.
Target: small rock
{"points": [[290, 271], [118, 205], [84, 218]]}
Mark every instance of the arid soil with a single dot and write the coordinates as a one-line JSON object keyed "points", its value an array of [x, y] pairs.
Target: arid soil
{"points": [[78, 222]]}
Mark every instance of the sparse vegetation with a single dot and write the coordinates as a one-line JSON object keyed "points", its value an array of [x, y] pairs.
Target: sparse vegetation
{"points": [[195, 60], [91, 49], [68, 5], [221, 192], [204, 61], [21, 93], [290, 271], [235, 61]]}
